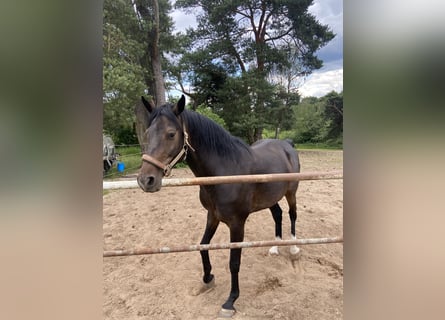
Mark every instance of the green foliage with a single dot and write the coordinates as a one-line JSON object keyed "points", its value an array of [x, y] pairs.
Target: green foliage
{"points": [[207, 111], [333, 114], [318, 122], [309, 121], [126, 61], [244, 72], [125, 135], [123, 75]]}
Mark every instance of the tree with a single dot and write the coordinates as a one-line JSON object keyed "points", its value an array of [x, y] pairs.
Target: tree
{"points": [[250, 38], [156, 24], [136, 33], [123, 75], [205, 77], [310, 122], [287, 77], [281, 113], [319, 120], [333, 115], [207, 112]]}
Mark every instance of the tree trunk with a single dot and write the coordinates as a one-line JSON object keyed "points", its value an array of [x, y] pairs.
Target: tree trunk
{"points": [[156, 59], [156, 85], [277, 132], [258, 135], [141, 124]]}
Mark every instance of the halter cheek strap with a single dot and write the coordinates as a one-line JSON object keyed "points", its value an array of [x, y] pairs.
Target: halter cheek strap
{"points": [[167, 168]]}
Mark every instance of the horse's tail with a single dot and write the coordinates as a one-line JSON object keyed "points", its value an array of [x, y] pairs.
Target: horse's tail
{"points": [[292, 155]]}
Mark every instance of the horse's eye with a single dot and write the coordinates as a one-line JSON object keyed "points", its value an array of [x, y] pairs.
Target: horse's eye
{"points": [[171, 135]]}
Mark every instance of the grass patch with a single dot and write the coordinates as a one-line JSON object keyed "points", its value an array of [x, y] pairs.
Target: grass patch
{"points": [[319, 146], [131, 157]]}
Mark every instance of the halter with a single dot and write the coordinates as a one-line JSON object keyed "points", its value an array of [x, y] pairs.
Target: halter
{"points": [[167, 168]]}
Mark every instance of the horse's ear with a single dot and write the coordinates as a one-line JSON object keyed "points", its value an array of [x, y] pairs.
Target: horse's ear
{"points": [[148, 104], [179, 107]]}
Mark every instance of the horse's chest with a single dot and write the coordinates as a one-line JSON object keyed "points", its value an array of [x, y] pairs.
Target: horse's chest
{"points": [[225, 198]]}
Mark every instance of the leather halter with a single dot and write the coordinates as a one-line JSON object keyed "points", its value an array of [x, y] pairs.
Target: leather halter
{"points": [[167, 168]]}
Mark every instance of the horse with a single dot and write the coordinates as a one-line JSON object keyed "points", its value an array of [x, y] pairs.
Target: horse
{"points": [[175, 134]]}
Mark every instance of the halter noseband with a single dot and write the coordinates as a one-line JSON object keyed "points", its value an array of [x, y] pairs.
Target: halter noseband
{"points": [[167, 168]]}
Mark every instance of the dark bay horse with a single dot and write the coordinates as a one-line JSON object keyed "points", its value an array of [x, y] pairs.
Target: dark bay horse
{"points": [[174, 134]]}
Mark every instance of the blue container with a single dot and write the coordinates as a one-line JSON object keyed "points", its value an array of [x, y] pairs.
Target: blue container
{"points": [[120, 166]]}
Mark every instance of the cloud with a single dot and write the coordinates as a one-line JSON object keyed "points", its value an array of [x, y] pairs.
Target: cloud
{"points": [[329, 12], [330, 77], [322, 82], [183, 20]]}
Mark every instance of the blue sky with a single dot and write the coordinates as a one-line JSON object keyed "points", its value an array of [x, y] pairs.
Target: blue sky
{"points": [[330, 76], [326, 79]]}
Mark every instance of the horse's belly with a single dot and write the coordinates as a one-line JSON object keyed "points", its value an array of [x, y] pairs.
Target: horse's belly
{"points": [[226, 201], [268, 194]]}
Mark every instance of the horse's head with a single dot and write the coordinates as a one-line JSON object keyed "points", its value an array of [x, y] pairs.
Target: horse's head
{"points": [[166, 144]]}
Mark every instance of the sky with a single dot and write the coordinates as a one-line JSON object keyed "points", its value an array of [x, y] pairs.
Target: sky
{"points": [[330, 76]]}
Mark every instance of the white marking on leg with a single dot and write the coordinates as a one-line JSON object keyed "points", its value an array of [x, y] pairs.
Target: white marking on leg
{"points": [[294, 249], [274, 249]]}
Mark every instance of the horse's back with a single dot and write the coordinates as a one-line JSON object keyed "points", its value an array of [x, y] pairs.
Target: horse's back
{"points": [[275, 156], [267, 156]]}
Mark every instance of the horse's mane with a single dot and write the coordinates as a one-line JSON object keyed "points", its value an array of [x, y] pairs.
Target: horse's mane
{"points": [[206, 135]]}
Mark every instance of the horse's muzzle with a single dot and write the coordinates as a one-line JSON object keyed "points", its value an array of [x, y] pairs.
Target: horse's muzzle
{"points": [[149, 183]]}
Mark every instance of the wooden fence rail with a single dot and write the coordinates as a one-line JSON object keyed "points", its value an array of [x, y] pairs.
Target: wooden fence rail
{"points": [[220, 246], [256, 178]]}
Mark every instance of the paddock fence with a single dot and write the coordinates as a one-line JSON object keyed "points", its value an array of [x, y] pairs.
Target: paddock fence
{"points": [[256, 178], [260, 178], [221, 246]]}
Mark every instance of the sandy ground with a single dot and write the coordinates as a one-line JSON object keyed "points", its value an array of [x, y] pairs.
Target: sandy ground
{"points": [[163, 286]]}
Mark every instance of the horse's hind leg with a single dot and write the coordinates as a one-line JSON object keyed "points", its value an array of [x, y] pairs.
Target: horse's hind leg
{"points": [[211, 226], [292, 201], [277, 217]]}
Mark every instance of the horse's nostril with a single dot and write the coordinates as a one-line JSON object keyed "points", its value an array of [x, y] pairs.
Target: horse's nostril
{"points": [[146, 182], [150, 180]]}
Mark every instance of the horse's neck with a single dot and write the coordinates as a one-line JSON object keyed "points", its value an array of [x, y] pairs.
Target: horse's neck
{"points": [[194, 155], [199, 159], [199, 163], [206, 160]]}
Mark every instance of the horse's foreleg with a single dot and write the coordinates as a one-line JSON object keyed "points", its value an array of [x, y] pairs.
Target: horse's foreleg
{"points": [[211, 226], [277, 214], [236, 235]]}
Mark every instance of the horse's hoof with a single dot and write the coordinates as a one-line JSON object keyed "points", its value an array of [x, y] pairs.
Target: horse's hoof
{"points": [[204, 287], [226, 313], [274, 251], [295, 251]]}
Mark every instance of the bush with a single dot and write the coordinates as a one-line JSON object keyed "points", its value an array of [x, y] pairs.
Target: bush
{"points": [[125, 135]]}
